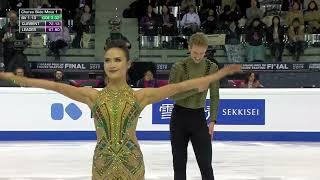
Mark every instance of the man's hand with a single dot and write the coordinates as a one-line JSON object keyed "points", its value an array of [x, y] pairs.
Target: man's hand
{"points": [[211, 129]]}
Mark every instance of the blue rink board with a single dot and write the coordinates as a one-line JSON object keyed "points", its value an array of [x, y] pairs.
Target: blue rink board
{"points": [[161, 135]]}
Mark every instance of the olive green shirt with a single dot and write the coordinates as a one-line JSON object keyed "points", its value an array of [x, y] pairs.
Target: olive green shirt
{"points": [[188, 69]]}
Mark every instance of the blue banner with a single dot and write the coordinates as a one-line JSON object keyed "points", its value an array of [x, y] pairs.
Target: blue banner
{"points": [[231, 112]]}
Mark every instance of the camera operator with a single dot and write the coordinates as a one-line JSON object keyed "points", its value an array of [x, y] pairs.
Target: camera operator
{"points": [[12, 40]]}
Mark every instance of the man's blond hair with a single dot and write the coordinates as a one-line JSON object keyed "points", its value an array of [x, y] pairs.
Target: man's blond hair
{"points": [[198, 39], [12, 12]]}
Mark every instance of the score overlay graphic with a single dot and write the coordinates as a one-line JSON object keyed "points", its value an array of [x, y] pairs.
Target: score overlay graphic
{"points": [[40, 20]]}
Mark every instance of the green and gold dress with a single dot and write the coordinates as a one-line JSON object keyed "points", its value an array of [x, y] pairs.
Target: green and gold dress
{"points": [[117, 155]]}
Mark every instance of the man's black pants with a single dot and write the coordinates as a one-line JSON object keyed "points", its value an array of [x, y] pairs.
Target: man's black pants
{"points": [[190, 124]]}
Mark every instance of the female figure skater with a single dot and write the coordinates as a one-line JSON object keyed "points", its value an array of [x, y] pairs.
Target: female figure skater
{"points": [[116, 109]]}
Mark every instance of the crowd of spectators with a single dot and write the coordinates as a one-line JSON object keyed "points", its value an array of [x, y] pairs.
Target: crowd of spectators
{"points": [[285, 28]]}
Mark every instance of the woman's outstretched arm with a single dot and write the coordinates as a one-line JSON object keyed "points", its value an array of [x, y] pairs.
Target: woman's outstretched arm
{"points": [[150, 95], [83, 94]]}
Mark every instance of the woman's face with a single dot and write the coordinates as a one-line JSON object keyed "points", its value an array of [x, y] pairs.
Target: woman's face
{"points": [[276, 21], [150, 9], [87, 9], [148, 76], [312, 5], [253, 3], [164, 9], [116, 64], [295, 6], [252, 77], [256, 23]]}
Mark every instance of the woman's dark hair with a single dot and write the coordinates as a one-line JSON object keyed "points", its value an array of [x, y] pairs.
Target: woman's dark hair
{"points": [[121, 44], [275, 17], [297, 2], [315, 6], [148, 7], [256, 77], [226, 8], [193, 7]]}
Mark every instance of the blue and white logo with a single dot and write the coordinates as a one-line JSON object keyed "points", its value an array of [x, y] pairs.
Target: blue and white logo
{"points": [[231, 112], [161, 112], [241, 112], [73, 111]]}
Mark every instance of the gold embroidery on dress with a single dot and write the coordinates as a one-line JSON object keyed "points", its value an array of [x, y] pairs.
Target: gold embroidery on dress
{"points": [[117, 154]]}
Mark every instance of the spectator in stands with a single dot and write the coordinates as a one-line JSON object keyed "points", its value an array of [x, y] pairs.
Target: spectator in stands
{"points": [[227, 17], [59, 41], [8, 35], [19, 71], [307, 2], [233, 34], [59, 77], [185, 5], [312, 17], [85, 18], [149, 23], [233, 47], [231, 3], [275, 38], [168, 22], [237, 13], [190, 22], [287, 4], [296, 39], [148, 80], [254, 38], [77, 26], [254, 12], [294, 13], [210, 23], [251, 81], [86, 21], [243, 5], [82, 26]]}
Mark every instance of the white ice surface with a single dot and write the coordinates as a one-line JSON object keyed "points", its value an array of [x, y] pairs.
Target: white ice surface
{"points": [[231, 161]]}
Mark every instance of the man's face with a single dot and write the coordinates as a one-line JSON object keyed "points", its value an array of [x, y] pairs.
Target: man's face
{"points": [[148, 76], [12, 17], [197, 52], [59, 75], [20, 72]]}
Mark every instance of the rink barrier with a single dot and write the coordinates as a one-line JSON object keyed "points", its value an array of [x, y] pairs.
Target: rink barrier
{"points": [[158, 136], [28, 114]]}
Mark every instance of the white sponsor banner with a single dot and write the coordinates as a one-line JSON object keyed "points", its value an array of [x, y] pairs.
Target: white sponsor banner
{"points": [[30, 109]]}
